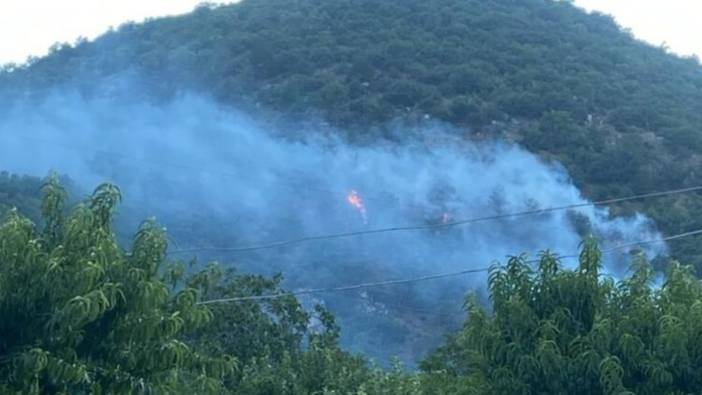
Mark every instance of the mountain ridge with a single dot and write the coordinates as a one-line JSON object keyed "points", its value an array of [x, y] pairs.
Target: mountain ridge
{"points": [[620, 115]]}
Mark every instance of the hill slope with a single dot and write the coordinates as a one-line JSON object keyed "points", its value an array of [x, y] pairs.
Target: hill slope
{"points": [[622, 116], [19, 192]]}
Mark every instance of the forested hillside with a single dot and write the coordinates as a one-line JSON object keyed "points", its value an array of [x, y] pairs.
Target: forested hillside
{"points": [[622, 116], [21, 193], [88, 308]]}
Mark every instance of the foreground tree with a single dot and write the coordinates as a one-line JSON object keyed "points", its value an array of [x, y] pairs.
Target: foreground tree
{"points": [[555, 331], [80, 315]]}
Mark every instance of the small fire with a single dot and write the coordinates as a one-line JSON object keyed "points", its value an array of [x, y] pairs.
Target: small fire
{"points": [[355, 200]]}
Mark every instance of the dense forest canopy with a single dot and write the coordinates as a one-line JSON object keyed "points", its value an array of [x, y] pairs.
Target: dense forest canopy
{"points": [[621, 115]]}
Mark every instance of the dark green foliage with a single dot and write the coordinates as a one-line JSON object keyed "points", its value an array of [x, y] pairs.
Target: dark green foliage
{"points": [[20, 192], [80, 315], [557, 331], [283, 348]]}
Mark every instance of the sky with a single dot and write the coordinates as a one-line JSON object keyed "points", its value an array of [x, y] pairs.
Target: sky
{"points": [[30, 27], [673, 22]]}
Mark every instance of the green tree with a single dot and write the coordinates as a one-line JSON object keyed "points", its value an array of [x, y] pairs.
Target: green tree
{"points": [[81, 315], [554, 330]]}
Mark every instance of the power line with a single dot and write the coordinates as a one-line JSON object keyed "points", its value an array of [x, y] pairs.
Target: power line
{"points": [[426, 278], [653, 241], [278, 244], [345, 288], [392, 306]]}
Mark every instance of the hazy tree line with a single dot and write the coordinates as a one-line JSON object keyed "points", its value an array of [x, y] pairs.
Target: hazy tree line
{"points": [[21, 192]]}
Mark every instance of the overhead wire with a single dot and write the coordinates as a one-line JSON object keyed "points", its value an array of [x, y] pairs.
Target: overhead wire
{"points": [[427, 277], [380, 305], [284, 243], [277, 244]]}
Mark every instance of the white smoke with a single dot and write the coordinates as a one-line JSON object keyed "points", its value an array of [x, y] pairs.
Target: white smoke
{"points": [[218, 178]]}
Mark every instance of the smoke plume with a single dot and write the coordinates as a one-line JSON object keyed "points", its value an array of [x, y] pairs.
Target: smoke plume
{"points": [[218, 178]]}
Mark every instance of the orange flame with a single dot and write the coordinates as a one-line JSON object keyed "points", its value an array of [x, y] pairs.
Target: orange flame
{"points": [[355, 200]]}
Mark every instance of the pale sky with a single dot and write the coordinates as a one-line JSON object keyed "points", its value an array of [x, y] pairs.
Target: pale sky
{"points": [[29, 27], [677, 23]]}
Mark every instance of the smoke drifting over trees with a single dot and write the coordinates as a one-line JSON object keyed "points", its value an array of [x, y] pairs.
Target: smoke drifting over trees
{"points": [[219, 178]]}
